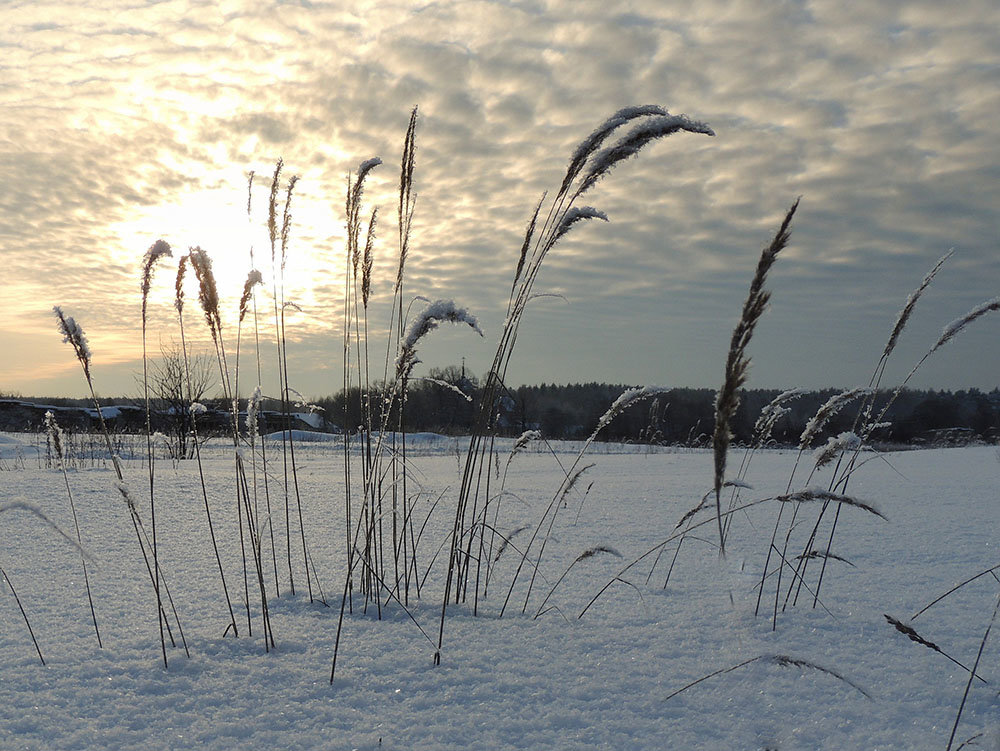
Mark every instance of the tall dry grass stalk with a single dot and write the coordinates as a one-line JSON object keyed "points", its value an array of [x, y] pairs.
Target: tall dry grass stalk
{"points": [[738, 362], [255, 279], [910, 633], [570, 477], [972, 673], [586, 554], [55, 436], [590, 162], [182, 266], [843, 453], [20, 606], [279, 233], [384, 568], [74, 336], [208, 297], [286, 226], [403, 541], [157, 251], [990, 571]]}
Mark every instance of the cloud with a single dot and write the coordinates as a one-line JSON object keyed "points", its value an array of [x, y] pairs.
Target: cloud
{"points": [[122, 124]]}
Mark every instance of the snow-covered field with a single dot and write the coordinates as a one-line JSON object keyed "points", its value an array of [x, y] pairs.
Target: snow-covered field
{"points": [[517, 682]]}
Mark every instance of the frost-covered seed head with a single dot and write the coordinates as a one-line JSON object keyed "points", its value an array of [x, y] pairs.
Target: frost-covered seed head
{"points": [[953, 328], [848, 441], [55, 435], [823, 415], [634, 141], [911, 301], [428, 320], [626, 400], [159, 249], [208, 293], [253, 278], [73, 334]]}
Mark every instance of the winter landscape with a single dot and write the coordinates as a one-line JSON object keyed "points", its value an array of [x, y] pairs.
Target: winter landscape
{"points": [[366, 279]]}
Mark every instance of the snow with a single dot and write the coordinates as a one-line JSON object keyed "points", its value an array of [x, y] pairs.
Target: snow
{"points": [[108, 412], [17, 449], [313, 419], [555, 682]]}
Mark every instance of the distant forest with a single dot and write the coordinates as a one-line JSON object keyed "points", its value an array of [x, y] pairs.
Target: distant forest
{"points": [[445, 402], [682, 416]]}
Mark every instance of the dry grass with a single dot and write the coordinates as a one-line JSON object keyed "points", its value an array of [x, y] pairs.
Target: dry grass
{"points": [[783, 661], [738, 362]]}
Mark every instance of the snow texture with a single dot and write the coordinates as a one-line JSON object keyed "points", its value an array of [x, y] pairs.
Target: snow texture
{"points": [[556, 682]]}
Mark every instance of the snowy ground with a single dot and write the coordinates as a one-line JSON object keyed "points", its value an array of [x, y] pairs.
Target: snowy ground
{"points": [[516, 682]]}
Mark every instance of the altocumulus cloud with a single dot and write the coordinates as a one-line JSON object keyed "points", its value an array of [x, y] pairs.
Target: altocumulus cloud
{"points": [[121, 123]]}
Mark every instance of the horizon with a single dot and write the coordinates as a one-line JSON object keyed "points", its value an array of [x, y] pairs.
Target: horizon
{"points": [[87, 399], [124, 127]]}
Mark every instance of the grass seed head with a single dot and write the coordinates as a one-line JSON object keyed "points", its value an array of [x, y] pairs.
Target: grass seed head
{"points": [[159, 249], [73, 334], [208, 293], [827, 411], [253, 278]]}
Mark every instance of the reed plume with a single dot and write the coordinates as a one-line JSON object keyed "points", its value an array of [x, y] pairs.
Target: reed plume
{"points": [[74, 336], [827, 411], [738, 363], [428, 320], [956, 326], [910, 633], [911, 302], [818, 494], [253, 279]]}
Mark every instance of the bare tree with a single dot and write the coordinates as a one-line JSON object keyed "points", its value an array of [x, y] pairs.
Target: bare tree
{"points": [[173, 394]]}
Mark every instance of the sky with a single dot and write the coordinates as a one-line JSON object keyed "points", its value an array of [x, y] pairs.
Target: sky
{"points": [[126, 122]]}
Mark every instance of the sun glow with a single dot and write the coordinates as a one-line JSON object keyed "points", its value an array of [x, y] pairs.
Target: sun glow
{"points": [[216, 220]]}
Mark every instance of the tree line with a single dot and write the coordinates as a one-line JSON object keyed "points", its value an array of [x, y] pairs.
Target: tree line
{"points": [[446, 402]]}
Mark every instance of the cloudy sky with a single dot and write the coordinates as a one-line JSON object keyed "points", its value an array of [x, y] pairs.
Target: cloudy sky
{"points": [[125, 122]]}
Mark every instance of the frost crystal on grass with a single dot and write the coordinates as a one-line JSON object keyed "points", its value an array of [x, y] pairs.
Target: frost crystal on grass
{"points": [[823, 415], [575, 215], [819, 494], [73, 334], [122, 487], [253, 411], [848, 441], [253, 278], [55, 435], [960, 323], [449, 386], [626, 400], [593, 142], [633, 142], [524, 439], [775, 411], [367, 166], [428, 320]]}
